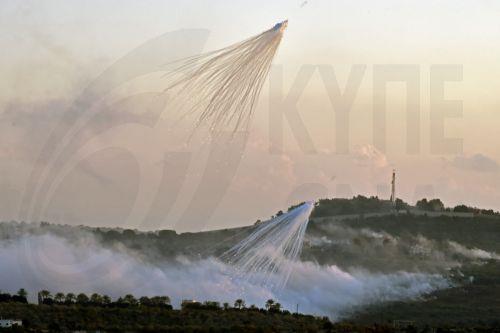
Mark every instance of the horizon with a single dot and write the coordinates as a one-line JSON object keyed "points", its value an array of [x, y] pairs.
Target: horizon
{"points": [[447, 209], [435, 77]]}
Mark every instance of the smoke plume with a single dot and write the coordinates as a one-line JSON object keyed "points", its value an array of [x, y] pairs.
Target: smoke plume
{"points": [[82, 264]]}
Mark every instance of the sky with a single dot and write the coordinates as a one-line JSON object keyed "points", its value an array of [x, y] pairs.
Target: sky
{"points": [[432, 66]]}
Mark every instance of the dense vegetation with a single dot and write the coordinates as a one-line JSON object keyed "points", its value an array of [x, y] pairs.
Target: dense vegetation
{"points": [[20, 297], [46, 298], [433, 205], [57, 318], [362, 205], [67, 312], [357, 205]]}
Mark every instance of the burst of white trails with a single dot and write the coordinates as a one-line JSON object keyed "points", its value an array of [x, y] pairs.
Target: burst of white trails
{"points": [[265, 256], [224, 85]]}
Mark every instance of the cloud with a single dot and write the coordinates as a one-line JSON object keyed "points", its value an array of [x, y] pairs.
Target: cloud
{"points": [[476, 162], [369, 155]]}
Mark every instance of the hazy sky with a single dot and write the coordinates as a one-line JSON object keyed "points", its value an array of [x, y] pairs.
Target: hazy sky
{"points": [[144, 174]]}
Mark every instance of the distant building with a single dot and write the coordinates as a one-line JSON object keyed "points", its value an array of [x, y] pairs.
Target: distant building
{"points": [[10, 322]]}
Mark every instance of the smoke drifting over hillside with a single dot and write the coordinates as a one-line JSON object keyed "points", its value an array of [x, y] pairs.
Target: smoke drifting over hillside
{"points": [[82, 264], [380, 251]]}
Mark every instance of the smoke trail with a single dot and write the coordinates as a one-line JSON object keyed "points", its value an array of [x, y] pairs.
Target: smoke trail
{"points": [[472, 253], [225, 84], [265, 256]]}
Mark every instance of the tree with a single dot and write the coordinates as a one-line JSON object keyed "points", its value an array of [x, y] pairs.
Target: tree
{"points": [[436, 205], [433, 205], [22, 293], [277, 307], [239, 303], [422, 204], [463, 209], [211, 305], [130, 299], [5, 297], [145, 301], [269, 304], [400, 204], [160, 300], [59, 298], [82, 299], [106, 300], [225, 305], [21, 297], [70, 298], [44, 296], [96, 299]]}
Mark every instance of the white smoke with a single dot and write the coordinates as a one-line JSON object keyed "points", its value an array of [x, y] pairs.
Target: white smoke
{"points": [[52, 262], [381, 251], [473, 253], [265, 255]]}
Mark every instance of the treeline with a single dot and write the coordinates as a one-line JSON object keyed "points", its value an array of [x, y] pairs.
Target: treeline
{"points": [[363, 205], [475, 210], [20, 297], [131, 314], [436, 205], [357, 205], [46, 298], [239, 304]]}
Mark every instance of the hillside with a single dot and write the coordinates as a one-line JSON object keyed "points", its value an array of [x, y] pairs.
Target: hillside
{"points": [[355, 235], [470, 303]]}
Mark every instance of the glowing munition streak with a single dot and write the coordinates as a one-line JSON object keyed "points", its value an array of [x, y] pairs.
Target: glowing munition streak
{"points": [[225, 84], [265, 256]]}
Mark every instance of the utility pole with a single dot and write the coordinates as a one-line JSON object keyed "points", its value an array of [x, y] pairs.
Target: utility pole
{"points": [[393, 188]]}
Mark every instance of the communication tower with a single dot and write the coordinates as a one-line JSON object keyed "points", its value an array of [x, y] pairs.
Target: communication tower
{"points": [[393, 188]]}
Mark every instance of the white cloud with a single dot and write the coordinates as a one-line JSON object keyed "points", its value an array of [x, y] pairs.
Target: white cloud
{"points": [[369, 155]]}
